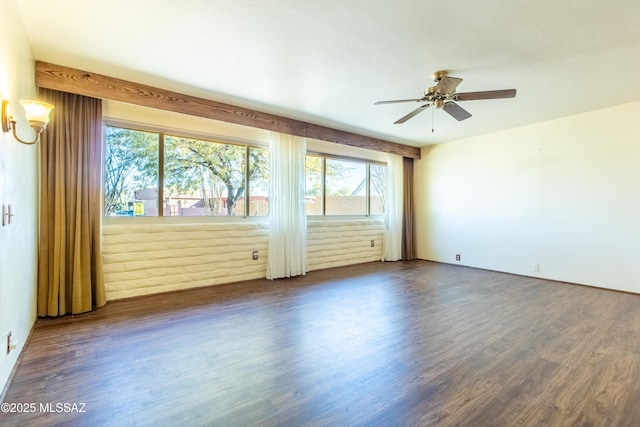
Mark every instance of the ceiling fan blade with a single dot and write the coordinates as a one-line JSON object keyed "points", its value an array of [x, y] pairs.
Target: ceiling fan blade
{"points": [[488, 94], [411, 114], [456, 111], [397, 100], [447, 84]]}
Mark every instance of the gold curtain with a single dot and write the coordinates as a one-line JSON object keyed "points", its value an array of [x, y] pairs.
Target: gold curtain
{"points": [[70, 275], [408, 214]]}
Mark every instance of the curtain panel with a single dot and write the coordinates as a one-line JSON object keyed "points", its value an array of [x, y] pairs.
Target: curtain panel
{"points": [[408, 218], [287, 219], [70, 274], [392, 245]]}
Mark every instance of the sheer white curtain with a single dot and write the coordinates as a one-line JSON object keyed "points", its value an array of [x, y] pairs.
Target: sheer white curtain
{"points": [[392, 246], [287, 220]]}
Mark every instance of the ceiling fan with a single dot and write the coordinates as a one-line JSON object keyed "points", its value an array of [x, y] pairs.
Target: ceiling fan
{"points": [[443, 95]]}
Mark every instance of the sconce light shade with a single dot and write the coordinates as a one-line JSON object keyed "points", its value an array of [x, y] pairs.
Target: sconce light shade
{"points": [[5, 116], [36, 112]]}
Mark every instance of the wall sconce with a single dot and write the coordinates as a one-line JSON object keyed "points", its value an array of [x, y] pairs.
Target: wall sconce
{"points": [[36, 112]]}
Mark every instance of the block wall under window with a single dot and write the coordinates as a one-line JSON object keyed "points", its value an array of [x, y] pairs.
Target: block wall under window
{"points": [[152, 257]]}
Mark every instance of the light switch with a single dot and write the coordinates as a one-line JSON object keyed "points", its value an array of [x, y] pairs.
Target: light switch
{"points": [[6, 215]]}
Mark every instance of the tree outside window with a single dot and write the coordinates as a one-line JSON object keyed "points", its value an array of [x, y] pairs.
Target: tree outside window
{"points": [[130, 166], [200, 178]]}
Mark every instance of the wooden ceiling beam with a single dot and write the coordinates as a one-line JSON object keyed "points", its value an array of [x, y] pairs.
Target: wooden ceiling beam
{"points": [[94, 85]]}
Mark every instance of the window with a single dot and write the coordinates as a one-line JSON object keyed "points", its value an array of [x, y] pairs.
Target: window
{"points": [[130, 172], [314, 185], [258, 181], [377, 189], [345, 187], [338, 186], [199, 177]]}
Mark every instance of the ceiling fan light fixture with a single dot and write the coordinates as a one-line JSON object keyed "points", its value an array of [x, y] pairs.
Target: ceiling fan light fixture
{"points": [[438, 103]]}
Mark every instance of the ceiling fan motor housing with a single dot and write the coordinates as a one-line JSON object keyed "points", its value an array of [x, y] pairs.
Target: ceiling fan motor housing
{"points": [[438, 75]]}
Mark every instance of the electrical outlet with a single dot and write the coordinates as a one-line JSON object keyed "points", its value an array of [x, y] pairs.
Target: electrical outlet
{"points": [[457, 257], [373, 243], [536, 268], [254, 255]]}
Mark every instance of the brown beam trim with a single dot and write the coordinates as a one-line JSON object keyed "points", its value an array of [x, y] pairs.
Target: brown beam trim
{"points": [[85, 83]]}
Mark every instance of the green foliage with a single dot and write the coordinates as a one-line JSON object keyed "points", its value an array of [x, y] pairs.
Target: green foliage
{"points": [[208, 170], [215, 172], [131, 162], [313, 176], [259, 169], [213, 169]]}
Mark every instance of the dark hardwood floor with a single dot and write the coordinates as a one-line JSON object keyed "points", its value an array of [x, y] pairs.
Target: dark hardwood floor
{"points": [[382, 344]]}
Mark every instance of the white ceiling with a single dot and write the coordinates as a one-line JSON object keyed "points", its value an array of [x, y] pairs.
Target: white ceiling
{"points": [[328, 61]]}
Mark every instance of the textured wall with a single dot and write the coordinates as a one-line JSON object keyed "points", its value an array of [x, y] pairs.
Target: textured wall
{"points": [[337, 243], [148, 258], [144, 257], [18, 188]]}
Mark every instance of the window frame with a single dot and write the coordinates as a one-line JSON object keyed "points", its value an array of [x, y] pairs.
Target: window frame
{"points": [[324, 156], [181, 133]]}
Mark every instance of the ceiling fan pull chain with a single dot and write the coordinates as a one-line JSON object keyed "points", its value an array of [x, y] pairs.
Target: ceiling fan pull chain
{"points": [[433, 111]]}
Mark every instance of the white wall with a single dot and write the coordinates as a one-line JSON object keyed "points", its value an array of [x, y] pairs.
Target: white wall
{"points": [[18, 187], [563, 194]]}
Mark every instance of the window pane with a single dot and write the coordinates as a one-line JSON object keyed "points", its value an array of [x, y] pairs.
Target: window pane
{"points": [[313, 191], [131, 173], [258, 182], [203, 178], [377, 189], [346, 188]]}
